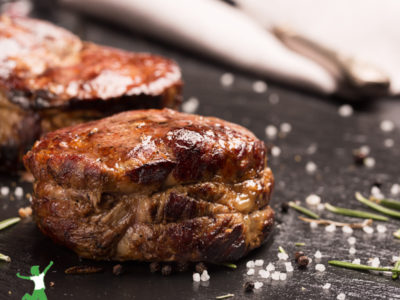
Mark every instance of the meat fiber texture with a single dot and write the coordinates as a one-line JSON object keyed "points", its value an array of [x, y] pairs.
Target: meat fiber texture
{"points": [[153, 185], [50, 79]]}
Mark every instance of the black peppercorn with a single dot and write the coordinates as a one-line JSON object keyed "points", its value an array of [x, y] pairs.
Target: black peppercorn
{"points": [[358, 157], [166, 270], [200, 267], [297, 255], [284, 207], [249, 286], [154, 267], [303, 261]]}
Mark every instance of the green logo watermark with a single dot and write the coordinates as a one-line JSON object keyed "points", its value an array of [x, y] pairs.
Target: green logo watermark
{"points": [[38, 279]]}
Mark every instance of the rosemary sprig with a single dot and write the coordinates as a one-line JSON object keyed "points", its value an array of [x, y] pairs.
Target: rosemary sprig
{"points": [[8, 222], [225, 296], [281, 250], [338, 224], [347, 265], [386, 202], [397, 234], [354, 213], [229, 265], [303, 210], [396, 267], [5, 257], [300, 244], [377, 207]]}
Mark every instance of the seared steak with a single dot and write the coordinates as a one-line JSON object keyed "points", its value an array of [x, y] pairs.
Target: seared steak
{"points": [[50, 79], [153, 185]]}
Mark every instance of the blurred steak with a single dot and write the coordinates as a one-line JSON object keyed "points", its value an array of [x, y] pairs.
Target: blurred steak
{"points": [[50, 79], [153, 185]]}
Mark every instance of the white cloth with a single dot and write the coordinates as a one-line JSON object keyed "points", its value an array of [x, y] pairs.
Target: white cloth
{"points": [[39, 281]]}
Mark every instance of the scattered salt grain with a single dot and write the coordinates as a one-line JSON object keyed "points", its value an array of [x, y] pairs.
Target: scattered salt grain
{"points": [[274, 99], [270, 267], [345, 110], [250, 264], [326, 286], [376, 192], [320, 207], [286, 127], [312, 149], [191, 105], [263, 273], [352, 250], [351, 240], [283, 256], [318, 254], [250, 272], [204, 276], [395, 258], [320, 267], [19, 192], [282, 276], [275, 275], [311, 167], [276, 151], [271, 131], [368, 229], [330, 228], [374, 262], [341, 296], [395, 189], [289, 267], [313, 199], [388, 143], [347, 229], [369, 162], [227, 79], [381, 228], [365, 150], [258, 285], [387, 125], [196, 277], [260, 86], [4, 191], [356, 261], [313, 225], [258, 262]]}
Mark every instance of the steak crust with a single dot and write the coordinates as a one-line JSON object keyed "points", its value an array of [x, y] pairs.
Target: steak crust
{"points": [[153, 185], [49, 72]]}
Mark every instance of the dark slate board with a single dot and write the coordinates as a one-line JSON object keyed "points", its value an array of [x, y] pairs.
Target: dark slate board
{"points": [[314, 120]]}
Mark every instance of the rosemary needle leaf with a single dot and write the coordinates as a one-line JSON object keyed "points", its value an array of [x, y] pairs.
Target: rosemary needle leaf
{"points": [[377, 207], [397, 234], [5, 257], [387, 202], [300, 244], [225, 296], [347, 265], [303, 210], [281, 250], [395, 275], [229, 265], [8, 222], [354, 213]]}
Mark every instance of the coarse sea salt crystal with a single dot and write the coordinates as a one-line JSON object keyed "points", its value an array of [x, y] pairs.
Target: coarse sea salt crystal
{"points": [[282, 276], [374, 262], [196, 277], [395, 189], [191, 105], [320, 207], [318, 254], [313, 225], [320, 267], [326, 286], [395, 258], [204, 276], [377, 193], [271, 131], [356, 261], [351, 240], [311, 167], [5, 190], [345, 110], [275, 275], [19, 192], [387, 125], [341, 296], [330, 228], [258, 285], [381, 228], [227, 79], [368, 229], [250, 272], [250, 264], [286, 127], [283, 256], [347, 229], [365, 150], [270, 267], [313, 199], [276, 151], [263, 273], [258, 262], [369, 162], [388, 143], [260, 86], [352, 250]]}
